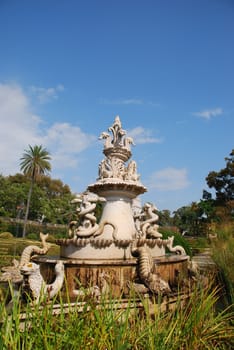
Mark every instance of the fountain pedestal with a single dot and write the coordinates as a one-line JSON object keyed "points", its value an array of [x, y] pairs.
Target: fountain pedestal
{"points": [[118, 207]]}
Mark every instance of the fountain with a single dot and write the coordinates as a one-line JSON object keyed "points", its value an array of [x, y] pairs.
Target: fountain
{"points": [[123, 250], [114, 254]]}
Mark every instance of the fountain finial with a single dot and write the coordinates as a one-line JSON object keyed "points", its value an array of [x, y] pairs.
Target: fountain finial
{"points": [[118, 132], [117, 145]]}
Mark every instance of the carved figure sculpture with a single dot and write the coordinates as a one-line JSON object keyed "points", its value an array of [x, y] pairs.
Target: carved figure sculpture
{"points": [[178, 249], [33, 249], [105, 136], [34, 284], [12, 273], [95, 291], [131, 172], [87, 220], [128, 141], [148, 225], [151, 280], [104, 170]]}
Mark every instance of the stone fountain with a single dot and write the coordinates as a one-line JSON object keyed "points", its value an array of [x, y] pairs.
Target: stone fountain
{"points": [[123, 250], [116, 253]]}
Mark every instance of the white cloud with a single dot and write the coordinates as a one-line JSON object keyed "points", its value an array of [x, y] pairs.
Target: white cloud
{"points": [[141, 136], [209, 113], [127, 101], [44, 95], [65, 141], [20, 127], [169, 179]]}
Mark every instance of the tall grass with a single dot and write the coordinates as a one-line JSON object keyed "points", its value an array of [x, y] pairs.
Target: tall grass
{"points": [[102, 326], [223, 255]]}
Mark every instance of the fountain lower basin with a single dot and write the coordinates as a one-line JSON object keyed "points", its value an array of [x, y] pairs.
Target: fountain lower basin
{"points": [[111, 275]]}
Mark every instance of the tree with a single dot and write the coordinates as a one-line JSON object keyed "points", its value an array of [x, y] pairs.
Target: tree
{"points": [[34, 163], [165, 218], [187, 219], [223, 181], [51, 199]]}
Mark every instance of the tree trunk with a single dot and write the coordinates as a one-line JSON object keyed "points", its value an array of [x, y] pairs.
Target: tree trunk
{"points": [[27, 208]]}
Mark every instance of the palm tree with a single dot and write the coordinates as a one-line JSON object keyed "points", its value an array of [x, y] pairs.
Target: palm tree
{"points": [[34, 162]]}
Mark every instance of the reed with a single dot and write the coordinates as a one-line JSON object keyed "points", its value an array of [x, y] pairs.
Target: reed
{"points": [[103, 326], [222, 254]]}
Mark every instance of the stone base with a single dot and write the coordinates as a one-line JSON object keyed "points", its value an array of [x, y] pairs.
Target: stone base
{"points": [[108, 276]]}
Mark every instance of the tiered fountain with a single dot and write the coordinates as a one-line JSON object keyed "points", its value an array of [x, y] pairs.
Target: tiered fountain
{"points": [[124, 250]]}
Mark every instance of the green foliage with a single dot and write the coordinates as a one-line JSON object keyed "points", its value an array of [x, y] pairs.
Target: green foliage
{"points": [[12, 194], [33, 236], [50, 202], [197, 219], [188, 219], [4, 226], [34, 163], [223, 181], [197, 244], [11, 225], [165, 218]]}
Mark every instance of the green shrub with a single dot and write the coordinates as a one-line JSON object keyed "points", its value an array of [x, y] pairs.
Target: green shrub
{"points": [[16, 248], [33, 236], [16, 228], [6, 235], [3, 225], [198, 244]]}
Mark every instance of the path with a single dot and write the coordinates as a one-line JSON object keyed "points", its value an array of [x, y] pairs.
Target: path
{"points": [[204, 260]]}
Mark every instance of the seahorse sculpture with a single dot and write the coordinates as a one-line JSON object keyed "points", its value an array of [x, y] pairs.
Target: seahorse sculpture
{"points": [[131, 172], [96, 291], [93, 292], [178, 249], [104, 135], [128, 141], [34, 284], [101, 228], [151, 280], [105, 169], [33, 249], [86, 215], [148, 226], [87, 225], [12, 273]]}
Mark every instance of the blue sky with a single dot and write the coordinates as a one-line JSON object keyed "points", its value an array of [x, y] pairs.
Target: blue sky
{"points": [[67, 68]]}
